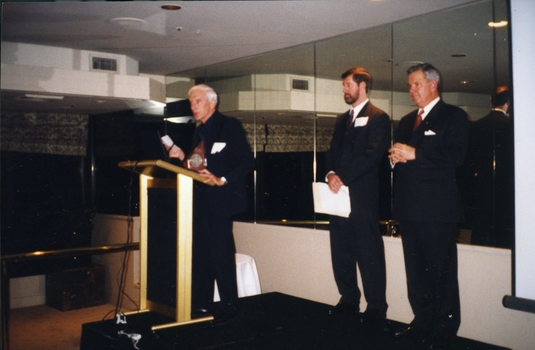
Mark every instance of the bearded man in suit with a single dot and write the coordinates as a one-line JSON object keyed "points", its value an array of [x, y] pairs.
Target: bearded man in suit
{"points": [[221, 154], [360, 140], [429, 144]]}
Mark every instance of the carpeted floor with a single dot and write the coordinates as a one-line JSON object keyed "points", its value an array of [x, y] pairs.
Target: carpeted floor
{"points": [[42, 327], [271, 321]]}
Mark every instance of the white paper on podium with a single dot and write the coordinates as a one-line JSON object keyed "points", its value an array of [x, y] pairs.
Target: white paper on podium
{"points": [[327, 202]]}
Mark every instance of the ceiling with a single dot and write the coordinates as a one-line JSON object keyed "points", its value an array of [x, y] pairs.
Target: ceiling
{"points": [[204, 33]]}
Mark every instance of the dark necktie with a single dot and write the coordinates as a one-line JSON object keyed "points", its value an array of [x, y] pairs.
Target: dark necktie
{"points": [[418, 120], [350, 121]]}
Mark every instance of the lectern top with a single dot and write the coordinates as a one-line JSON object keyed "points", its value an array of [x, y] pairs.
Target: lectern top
{"points": [[159, 169]]}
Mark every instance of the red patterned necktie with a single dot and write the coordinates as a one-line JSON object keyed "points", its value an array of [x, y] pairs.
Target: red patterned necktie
{"points": [[418, 119]]}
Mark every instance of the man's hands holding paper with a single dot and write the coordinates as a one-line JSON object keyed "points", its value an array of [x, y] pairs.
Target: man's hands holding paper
{"points": [[334, 182]]}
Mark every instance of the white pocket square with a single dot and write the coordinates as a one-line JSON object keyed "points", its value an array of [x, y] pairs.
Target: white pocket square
{"points": [[361, 121], [218, 147], [429, 133]]}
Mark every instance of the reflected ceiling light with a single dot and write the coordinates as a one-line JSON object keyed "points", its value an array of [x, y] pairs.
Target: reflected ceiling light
{"points": [[129, 22], [171, 7], [458, 55], [465, 82], [180, 120], [413, 62], [37, 97], [499, 24]]}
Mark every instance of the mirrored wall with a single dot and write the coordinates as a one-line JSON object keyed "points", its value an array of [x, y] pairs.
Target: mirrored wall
{"points": [[288, 101]]}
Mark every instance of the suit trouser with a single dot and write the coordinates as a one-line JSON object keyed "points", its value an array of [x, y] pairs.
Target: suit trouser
{"points": [[358, 240], [430, 254], [213, 255]]}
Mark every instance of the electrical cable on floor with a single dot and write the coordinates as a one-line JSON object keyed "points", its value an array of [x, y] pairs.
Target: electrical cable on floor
{"points": [[122, 271]]}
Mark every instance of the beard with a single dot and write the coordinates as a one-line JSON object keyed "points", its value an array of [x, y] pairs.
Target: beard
{"points": [[350, 99]]}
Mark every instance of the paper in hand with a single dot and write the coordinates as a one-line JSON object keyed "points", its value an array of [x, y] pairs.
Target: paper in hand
{"points": [[326, 202]]}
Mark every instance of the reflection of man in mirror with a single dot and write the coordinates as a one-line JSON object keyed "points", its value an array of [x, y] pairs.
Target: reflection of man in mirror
{"points": [[491, 165], [360, 140]]}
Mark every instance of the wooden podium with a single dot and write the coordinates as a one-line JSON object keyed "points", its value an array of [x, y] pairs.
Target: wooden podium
{"points": [[158, 174]]}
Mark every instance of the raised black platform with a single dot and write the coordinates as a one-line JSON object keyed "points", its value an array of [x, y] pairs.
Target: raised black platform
{"points": [[268, 321]]}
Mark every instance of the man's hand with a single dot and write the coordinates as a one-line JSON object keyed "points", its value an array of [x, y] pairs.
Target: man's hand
{"points": [[209, 177], [175, 152], [401, 153], [334, 182]]}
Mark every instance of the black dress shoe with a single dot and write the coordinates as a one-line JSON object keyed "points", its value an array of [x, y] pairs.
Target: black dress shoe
{"points": [[198, 313], [343, 309], [411, 333], [375, 320], [222, 318], [441, 341]]}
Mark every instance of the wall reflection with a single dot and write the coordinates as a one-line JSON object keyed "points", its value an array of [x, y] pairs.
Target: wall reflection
{"points": [[288, 101]]}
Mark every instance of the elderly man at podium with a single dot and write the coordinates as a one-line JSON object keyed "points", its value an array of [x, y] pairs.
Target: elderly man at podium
{"points": [[221, 154]]}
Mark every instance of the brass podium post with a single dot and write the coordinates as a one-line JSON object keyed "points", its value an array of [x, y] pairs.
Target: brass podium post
{"points": [[161, 174]]}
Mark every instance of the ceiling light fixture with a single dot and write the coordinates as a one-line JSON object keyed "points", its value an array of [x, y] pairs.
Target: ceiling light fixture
{"points": [[43, 97], [129, 22], [171, 7], [499, 24], [180, 120]]}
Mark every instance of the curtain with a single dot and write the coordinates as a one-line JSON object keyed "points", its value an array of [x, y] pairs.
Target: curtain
{"points": [[48, 133]]}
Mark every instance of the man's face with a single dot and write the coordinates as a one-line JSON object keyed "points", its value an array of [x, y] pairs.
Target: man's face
{"points": [[421, 90], [200, 106], [350, 90]]}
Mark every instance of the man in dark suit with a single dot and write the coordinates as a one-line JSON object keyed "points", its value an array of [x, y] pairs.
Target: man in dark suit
{"points": [[430, 143], [491, 164], [221, 155], [360, 140]]}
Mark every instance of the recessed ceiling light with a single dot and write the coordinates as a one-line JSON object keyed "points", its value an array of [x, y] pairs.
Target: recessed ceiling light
{"points": [[171, 7], [499, 24]]}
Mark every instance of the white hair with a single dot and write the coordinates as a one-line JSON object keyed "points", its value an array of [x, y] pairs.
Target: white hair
{"points": [[210, 93]]}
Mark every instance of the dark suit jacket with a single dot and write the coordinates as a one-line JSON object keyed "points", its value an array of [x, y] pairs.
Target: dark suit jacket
{"points": [[355, 158], [425, 189], [491, 158], [488, 180], [234, 161]]}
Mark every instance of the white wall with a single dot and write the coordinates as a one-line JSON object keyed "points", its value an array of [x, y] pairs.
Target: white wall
{"points": [[523, 49]]}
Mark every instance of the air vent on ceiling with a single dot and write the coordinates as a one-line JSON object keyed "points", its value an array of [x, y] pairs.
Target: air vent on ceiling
{"points": [[103, 64], [300, 84]]}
